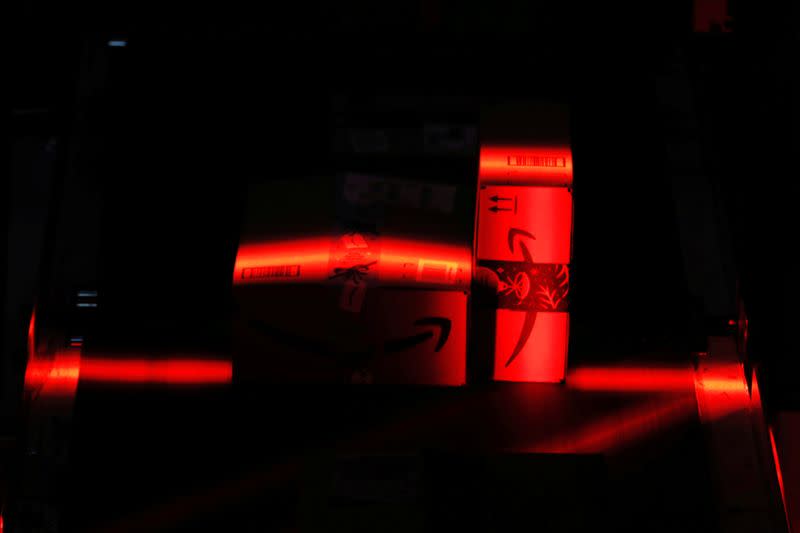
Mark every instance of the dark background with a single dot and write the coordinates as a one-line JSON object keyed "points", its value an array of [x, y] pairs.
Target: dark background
{"points": [[684, 147]]}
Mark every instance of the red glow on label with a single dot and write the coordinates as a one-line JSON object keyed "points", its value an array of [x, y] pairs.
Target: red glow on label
{"points": [[254, 261], [525, 165], [391, 262], [155, 371], [543, 356]]}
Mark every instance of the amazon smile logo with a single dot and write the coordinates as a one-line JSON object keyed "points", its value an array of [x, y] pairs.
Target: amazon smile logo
{"points": [[438, 329], [530, 315], [441, 324]]}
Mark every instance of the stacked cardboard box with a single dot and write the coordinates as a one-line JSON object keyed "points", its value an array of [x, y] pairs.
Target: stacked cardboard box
{"points": [[355, 279], [523, 243]]}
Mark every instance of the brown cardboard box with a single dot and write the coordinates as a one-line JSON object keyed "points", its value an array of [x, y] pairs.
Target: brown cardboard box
{"points": [[365, 231], [523, 249], [301, 334], [360, 279]]}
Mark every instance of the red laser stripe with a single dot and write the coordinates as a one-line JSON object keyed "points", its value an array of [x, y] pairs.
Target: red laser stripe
{"points": [[167, 371], [779, 472]]}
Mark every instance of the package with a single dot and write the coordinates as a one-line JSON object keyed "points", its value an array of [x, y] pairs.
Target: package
{"points": [[356, 258], [407, 208], [357, 231], [344, 285], [523, 248]]}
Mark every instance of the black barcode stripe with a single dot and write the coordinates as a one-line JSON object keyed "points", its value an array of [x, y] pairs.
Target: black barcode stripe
{"points": [[535, 161], [276, 271]]}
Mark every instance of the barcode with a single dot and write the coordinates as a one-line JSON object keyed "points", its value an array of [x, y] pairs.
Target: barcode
{"points": [[436, 272], [279, 271], [535, 161]]}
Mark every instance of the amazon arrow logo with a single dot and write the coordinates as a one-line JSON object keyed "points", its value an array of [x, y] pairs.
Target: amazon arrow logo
{"points": [[530, 316], [443, 325], [516, 232]]}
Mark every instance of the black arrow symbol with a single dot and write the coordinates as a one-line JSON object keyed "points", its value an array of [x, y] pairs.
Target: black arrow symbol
{"points": [[495, 209], [496, 198], [524, 334], [305, 343], [513, 232], [443, 324]]}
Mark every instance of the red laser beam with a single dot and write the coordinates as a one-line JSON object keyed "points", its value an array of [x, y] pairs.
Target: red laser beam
{"points": [[156, 371], [631, 379], [311, 255], [60, 375], [720, 389], [644, 379], [622, 429], [55, 376], [391, 261]]}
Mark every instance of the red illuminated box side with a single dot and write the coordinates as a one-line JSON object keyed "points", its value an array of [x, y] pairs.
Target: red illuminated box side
{"points": [[523, 247], [362, 279]]}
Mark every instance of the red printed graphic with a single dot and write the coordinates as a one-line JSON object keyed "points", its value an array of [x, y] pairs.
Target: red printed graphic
{"points": [[531, 346], [523, 251], [545, 212]]}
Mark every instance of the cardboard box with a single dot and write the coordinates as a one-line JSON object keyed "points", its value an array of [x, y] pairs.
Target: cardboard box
{"points": [[361, 230], [526, 144], [406, 208], [300, 334], [296, 334], [356, 279], [360, 259], [523, 249], [513, 220], [535, 354]]}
